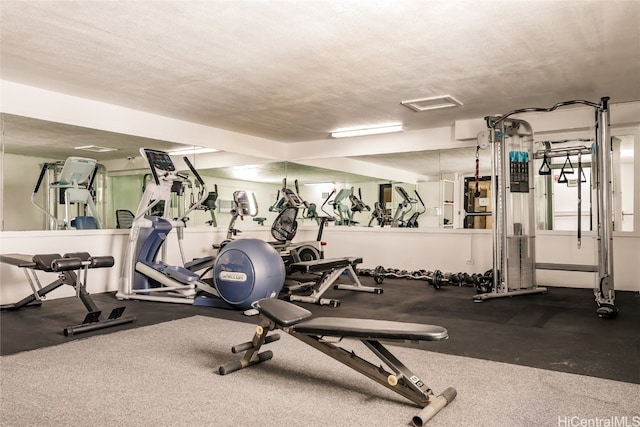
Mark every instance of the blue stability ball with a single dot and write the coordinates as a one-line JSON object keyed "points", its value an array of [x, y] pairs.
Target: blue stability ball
{"points": [[247, 270]]}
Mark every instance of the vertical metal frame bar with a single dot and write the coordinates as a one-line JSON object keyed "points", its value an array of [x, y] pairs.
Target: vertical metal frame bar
{"points": [[605, 203]]}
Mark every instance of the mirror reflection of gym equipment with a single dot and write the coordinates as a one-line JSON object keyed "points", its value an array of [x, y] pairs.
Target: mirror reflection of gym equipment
{"points": [[71, 184], [407, 205], [477, 202]]}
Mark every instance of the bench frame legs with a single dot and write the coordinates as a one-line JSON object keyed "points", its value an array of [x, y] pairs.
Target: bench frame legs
{"points": [[324, 282], [401, 380], [92, 321]]}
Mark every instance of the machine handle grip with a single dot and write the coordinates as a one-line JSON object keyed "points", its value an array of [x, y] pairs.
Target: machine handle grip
{"points": [[41, 177], [92, 178], [329, 196], [195, 172]]}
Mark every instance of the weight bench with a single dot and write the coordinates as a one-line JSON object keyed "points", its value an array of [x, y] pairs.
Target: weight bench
{"points": [[290, 318], [327, 272], [66, 268]]}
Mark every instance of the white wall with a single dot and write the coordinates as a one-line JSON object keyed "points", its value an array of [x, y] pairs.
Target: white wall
{"points": [[20, 176]]}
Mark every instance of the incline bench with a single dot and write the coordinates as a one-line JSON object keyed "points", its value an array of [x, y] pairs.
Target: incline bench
{"points": [[66, 268], [327, 272], [290, 318]]}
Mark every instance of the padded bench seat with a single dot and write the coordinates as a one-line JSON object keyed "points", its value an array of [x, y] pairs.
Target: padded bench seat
{"points": [[56, 262], [282, 313], [323, 264], [19, 260], [371, 329], [285, 314]]}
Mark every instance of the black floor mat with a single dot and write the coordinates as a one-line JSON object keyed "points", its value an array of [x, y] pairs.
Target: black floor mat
{"points": [[557, 331]]}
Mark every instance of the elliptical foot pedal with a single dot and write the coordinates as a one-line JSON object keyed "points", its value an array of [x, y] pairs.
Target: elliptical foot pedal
{"points": [[607, 311], [92, 317], [116, 313]]}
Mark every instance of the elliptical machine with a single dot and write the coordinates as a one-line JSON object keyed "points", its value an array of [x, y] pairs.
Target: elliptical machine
{"points": [[285, 226], [343, 212], [413, 220], [244, 271], [404, 207]]}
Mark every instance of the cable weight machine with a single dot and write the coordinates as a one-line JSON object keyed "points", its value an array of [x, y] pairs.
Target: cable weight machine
{"points": [[511, 142]]}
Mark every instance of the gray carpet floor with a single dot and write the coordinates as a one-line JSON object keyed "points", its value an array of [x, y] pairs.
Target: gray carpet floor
{"points": [[166, 375]]}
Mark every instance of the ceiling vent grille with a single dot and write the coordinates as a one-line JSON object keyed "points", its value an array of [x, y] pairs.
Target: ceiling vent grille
{"points": [[433, 103], [96, 148]]}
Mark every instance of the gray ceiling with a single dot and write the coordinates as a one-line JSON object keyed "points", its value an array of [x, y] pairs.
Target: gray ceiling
{"points": [[293, 71]]}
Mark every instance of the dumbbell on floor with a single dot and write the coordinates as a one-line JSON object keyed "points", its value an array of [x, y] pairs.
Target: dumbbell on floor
{"points": [[437, 279]]}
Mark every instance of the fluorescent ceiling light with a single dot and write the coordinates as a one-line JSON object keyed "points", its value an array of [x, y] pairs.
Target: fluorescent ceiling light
{"points": [[311, 184], [432, 103], [95, 148], [191, 150], [368, 131]]}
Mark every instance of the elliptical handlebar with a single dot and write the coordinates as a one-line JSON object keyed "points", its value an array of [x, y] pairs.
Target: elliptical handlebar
{"points": [[195, 172], [45, 167], [327, 201], [204, 193], [420, 200]]}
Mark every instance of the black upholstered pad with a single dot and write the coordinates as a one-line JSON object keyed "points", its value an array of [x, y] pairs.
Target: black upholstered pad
{"points": [[38, 262], [20, 260], [283, 313], [323, 264], [371, 329]]}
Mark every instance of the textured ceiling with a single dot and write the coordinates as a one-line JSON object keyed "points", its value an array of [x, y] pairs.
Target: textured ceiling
{"points": [[293, 71]]}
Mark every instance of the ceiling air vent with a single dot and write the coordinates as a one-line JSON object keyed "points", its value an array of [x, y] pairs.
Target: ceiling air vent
{"points": [[96, 148], [433, 103]]}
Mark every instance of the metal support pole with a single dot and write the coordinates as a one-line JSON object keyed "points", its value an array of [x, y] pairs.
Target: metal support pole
{"points": [[604, 293]]}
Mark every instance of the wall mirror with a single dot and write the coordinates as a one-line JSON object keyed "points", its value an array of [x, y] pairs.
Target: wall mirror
{"points": [[565, 199], [442, 195]]}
